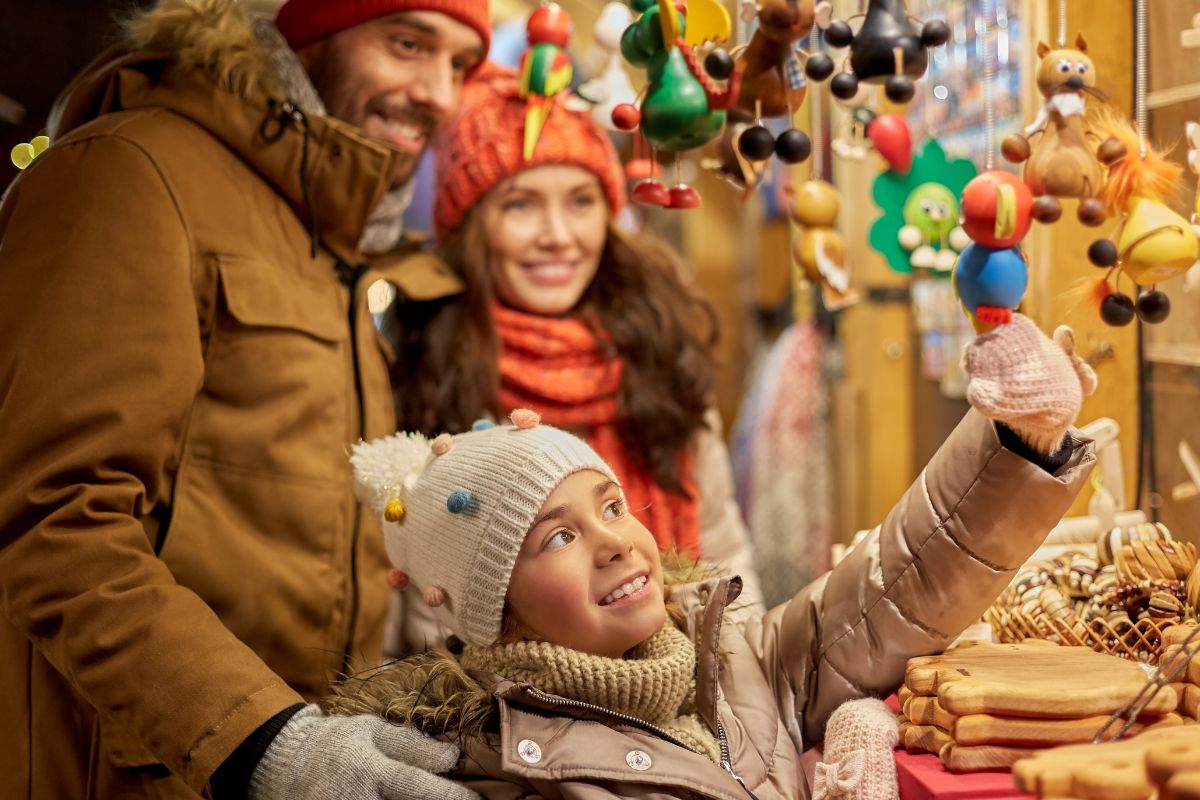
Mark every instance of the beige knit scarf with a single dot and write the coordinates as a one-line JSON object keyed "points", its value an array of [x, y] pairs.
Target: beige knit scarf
{"points": [[657, 684]]}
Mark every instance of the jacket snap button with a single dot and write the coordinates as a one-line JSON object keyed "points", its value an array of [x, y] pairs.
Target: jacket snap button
{"points": [[529, 751], [639, 760]]}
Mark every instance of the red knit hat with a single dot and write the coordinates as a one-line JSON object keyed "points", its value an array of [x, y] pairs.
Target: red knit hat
{"points": [[304, 21], [484, 144]]}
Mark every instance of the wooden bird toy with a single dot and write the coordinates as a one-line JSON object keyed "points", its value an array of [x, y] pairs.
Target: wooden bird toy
{"points": [[991, 274], [887, 49], [931, 233], [681, 109], [1057, 147], [1152, 243], [819, 249], [545, 68]]}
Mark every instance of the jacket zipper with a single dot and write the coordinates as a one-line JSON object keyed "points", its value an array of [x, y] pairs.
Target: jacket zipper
{"points": [[726, 764], [646, 726], [350, 275]]}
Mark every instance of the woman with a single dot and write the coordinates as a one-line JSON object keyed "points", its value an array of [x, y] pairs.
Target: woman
{"points": [[595, 329]]}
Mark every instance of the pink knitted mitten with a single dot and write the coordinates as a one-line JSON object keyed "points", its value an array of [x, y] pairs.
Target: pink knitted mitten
{"points": [[1031, 384], [857, 762]]}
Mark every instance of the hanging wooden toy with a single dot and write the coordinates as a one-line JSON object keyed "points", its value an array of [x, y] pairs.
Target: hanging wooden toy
{"points": [[887, 49], [1057, 148], [612, 86], [1152, 243], [919, 225], [545, 68], [767, 76], [681, 108], [819, 249], [991, 274]]}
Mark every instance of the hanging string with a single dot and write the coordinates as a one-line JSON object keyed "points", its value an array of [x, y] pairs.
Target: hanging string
{"points": [[1062, 23], [817, 157], [1139, 75], [989, 73]]}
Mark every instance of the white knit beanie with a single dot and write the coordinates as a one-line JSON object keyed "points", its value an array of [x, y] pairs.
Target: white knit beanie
{"points": [[856, 760], [457, 509]]}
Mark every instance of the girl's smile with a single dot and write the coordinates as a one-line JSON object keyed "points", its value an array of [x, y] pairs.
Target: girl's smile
{"points": [[588, 576]]}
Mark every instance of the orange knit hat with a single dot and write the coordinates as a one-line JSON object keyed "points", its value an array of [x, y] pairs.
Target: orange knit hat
{"points": [[483, 145], [304, 21]]}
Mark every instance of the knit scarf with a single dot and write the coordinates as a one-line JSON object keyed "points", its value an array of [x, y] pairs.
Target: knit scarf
{"points": [[657, 684], [555, 366]]}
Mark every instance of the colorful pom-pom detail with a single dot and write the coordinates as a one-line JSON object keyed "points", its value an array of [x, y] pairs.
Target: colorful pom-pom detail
{"points": [[434, 596], [482, 425], [441, 445], [460, 501], [394, 511], [397, 580], [525, 418]]}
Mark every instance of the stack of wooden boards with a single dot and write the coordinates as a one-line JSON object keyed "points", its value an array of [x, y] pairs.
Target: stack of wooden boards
{"points": [[1187, 685], [986, 706]]}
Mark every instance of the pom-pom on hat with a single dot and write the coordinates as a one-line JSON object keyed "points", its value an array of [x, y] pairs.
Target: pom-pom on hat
{"points": [[303, 22], [485, 142], [468, 501]]}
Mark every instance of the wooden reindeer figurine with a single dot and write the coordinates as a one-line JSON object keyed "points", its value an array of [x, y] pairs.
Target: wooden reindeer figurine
{"points": [[1062, 161]]}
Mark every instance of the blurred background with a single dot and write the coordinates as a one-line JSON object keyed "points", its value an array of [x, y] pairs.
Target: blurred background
{"points": [[831, 415]]}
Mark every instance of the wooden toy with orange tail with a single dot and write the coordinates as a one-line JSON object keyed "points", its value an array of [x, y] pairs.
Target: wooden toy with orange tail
{"points": [[1057, 148], [1152, 243]]}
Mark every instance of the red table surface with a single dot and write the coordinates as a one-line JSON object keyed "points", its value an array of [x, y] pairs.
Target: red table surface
{"points": [[922, 777]]}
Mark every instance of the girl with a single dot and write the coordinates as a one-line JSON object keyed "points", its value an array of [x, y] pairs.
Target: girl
{"points": [[589, 669], [563, 313]]}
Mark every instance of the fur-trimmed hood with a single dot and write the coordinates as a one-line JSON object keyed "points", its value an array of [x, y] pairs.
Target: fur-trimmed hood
{"points": [[214, 36], [232, 75]]}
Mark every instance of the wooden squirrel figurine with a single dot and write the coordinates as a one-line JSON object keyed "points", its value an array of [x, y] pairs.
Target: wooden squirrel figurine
{"points": [[1062, 161]]}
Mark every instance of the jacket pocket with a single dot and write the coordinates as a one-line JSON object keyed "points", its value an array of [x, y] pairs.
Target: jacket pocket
{"points": [[260, 295]]}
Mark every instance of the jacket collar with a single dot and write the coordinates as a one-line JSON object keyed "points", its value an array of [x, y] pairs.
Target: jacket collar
{"points": [[704, 605]]}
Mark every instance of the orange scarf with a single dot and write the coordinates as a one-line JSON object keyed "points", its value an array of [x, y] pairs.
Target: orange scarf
{"points": [[556, 367]]}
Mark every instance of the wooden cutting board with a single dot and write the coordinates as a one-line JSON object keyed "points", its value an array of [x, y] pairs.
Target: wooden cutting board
{"points": [[928, 711], [923, 738], [1032, 681], [1184, 786], [960, 758], [979, 729], [1111, 771]]}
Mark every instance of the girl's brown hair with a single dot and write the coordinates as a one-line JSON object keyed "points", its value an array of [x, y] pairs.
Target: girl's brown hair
{"points": [[447, 370]]}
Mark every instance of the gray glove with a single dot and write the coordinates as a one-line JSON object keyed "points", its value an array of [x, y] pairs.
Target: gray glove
{"points": [[319, 757]]}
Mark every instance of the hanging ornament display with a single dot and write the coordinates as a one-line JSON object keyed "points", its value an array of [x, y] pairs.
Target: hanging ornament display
{"points": [[1152, 243], [768, 76], [1058, 148], [681, 108], [612, 86], [919, 226], [818, 250], [545, 68], [887, 49], [991, 274]]}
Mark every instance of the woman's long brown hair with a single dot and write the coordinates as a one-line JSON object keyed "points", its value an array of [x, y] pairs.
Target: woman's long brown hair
{"points": [[446, 374]]}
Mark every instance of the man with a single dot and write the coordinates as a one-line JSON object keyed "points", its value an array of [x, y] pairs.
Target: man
{"points": [[185, 356]]}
